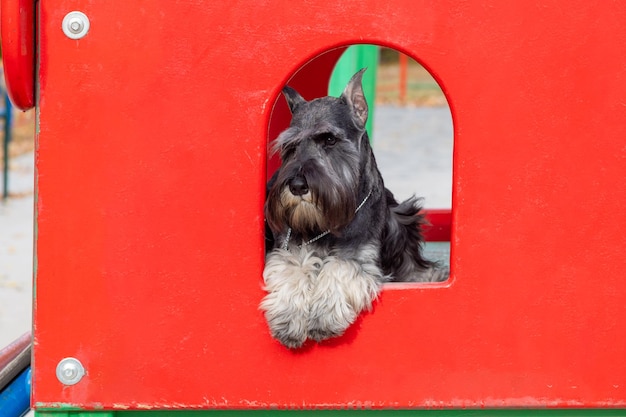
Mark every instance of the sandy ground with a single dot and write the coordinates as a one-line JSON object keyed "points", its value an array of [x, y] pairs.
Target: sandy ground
{"points": [[16, 251]]}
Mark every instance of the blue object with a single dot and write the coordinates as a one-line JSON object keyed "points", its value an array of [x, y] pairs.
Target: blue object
{"points": [[15, 398], [5, 113]]}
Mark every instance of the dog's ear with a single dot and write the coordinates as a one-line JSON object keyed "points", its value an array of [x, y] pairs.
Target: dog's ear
{"points": [[294, 99], [354, 96]]}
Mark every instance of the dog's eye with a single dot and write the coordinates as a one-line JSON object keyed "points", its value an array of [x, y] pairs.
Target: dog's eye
{"points": [[325, 140], [286, 151]]}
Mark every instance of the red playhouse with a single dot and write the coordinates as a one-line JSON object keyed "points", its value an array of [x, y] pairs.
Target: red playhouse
{"points": [[152, 133]]}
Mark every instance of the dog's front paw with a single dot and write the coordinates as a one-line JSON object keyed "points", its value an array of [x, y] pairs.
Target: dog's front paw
{"points": [[288, 329], [288, 279], [287, 321], [344, 289], [330, 320]]}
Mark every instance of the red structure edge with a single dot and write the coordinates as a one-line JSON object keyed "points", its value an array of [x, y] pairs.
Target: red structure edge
{"points": [[18, 51], [439, 225]]}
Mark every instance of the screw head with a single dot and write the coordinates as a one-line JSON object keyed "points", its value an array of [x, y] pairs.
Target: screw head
{"points": [[70, 371], [75, 25]]}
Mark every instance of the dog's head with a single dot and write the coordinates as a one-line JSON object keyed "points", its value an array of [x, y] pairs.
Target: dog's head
{"points": [[316, 187]]}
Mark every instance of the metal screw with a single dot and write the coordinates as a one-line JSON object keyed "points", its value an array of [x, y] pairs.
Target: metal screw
{"points": [[70, 371], [75, 25]]}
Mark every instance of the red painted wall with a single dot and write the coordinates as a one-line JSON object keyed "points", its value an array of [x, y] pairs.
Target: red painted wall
{"points": [[151, 165]]}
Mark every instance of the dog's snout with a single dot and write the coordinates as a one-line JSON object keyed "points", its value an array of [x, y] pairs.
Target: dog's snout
{"points": [[298, 185]]}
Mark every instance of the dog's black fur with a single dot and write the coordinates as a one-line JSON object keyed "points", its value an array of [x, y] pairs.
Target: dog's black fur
{"points": [[329, 183]]}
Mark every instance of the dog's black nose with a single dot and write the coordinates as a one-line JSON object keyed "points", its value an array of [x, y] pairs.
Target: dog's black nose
{"points": [[298, 186]]}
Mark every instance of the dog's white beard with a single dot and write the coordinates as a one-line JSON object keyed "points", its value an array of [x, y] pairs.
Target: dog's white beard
{"points": [[304, 214], [314, 297]]}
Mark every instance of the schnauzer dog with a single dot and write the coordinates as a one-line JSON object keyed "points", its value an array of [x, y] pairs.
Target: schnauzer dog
{"points": [[337, 233]]}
